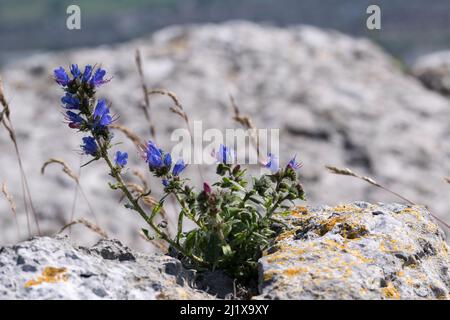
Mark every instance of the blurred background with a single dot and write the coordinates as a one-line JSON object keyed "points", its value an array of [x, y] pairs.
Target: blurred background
{"points": [[375, 101], [410, 27]]}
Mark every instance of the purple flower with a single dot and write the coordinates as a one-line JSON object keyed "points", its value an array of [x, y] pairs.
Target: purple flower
{"points": [[75, 71], [154, 156], [273, 164], [75, 120], [179, 167], [121, 159], [97, 78], [225, 154], [101, 114], [89, 146], [165, 182], [70, 102], [61, 76], [206, 188], [87, 73], [294, 164]]}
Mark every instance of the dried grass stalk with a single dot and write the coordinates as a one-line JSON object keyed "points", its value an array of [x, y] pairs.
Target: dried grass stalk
{"points": [[26, 194], [69, 172], [138, 142], [146, 106], [178, 108], [348, 172], [247, 123], [12, 205], [93, 227], [141, 176], [65, 168]]}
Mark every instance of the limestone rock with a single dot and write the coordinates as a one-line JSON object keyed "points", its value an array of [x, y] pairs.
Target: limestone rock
{"points": [[52, 268], [358, 251], [434, 71]]}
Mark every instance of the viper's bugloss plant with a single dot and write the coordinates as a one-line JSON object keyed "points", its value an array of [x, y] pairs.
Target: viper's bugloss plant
{"points": [[234, 218]]}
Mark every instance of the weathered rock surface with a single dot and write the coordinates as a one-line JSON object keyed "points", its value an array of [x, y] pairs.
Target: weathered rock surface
{"points": [[336, 100], [358, 251], [52, 268], [354, 251], [434, 71]]}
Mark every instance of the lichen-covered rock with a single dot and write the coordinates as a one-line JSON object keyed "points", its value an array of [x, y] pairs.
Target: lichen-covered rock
{"points": [[358, 251], [434, 71], [52, 268]]}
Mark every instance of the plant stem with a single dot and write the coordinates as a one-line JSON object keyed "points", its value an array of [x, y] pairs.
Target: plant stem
{"points": [[116, 174]]}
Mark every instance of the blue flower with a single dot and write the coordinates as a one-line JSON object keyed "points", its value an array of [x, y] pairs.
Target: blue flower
{"points": [[70, 102], [61, 76], [168, 160], [75, 71], [97, 79], [179, 167], [273, 164], [165, 182], [101, 114], [90, 146], [121, 159], [225, 154], [154, 156], [294, 164], [75, 120], [87, 73]]}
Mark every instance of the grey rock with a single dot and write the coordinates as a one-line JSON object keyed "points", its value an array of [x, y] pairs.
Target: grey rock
{"points": [[434, 71], [105, 271], [337, 100], [348, 252]]}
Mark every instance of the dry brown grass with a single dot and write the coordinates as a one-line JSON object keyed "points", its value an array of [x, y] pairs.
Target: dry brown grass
{"points": [[146, 105], [26, 194], [248, 124], [138, 142], [71, 174], [350, 173], [177, 108], [12, 206], [91, 226]]}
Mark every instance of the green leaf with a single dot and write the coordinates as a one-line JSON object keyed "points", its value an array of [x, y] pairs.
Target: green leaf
{"points": [[226, 249]]}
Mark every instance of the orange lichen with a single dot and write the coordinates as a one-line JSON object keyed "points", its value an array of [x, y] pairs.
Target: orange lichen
{"points": [[49, 275], [285, 235], [299, 211], [390, 292], [291, 272]]}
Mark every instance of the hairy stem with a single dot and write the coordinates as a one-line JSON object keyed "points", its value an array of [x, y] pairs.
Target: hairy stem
{"points": [[116, 175]]}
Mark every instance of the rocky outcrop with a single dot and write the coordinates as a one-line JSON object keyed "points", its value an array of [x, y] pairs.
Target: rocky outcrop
{"points": [[358, 251], [353, 251], [337, 100], [434, 71], [52, 268]]}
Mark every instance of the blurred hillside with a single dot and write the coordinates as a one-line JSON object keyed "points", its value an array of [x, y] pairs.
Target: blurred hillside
{"points": [[409, 27]]}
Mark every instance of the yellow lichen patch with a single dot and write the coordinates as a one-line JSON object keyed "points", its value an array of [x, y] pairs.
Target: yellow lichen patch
{"points": [[285, 235], [292, 272], [346, 208], [329, 224], [269, 275], [49, 275], [390, 292], [343, 247], [414, 212]]}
